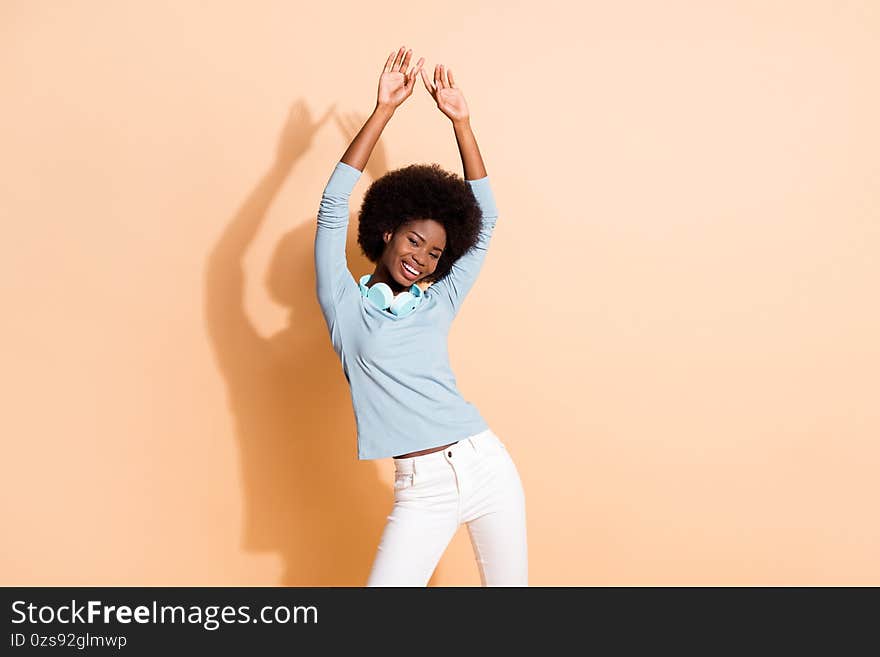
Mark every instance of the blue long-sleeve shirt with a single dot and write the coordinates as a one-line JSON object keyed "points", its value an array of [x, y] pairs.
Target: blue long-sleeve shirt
{"points": [[403, 391]]}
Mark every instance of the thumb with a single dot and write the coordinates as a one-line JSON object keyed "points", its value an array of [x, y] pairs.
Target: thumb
{"points": [[425, 80]]}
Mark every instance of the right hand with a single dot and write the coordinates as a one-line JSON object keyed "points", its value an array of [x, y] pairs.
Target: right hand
{"points": [[395, 86], [449, 98]]}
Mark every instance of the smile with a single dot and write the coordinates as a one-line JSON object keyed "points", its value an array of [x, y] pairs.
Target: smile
{"points": [[410, 273]]}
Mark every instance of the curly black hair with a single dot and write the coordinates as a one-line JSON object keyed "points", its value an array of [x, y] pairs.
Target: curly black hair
{"points": [[420, 191]]}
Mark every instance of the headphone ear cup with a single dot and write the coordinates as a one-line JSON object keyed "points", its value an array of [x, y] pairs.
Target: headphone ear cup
{"points": [[405, 303], [381, 295]]}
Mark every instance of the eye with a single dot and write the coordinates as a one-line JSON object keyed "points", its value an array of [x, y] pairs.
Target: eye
{"points": [[435, 256], [412, 241]]}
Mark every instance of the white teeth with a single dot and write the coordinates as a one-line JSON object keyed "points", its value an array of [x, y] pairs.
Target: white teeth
{"points": [[410, 269]]}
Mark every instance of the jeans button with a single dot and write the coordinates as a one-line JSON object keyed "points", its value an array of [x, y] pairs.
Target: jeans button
{"points": [[449, 454]]}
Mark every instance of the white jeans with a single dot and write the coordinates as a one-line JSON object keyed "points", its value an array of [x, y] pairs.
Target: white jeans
{"points": [[473, 481]]}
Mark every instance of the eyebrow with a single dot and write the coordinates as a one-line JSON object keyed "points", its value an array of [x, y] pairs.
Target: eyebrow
{"points": [[423, 239]]}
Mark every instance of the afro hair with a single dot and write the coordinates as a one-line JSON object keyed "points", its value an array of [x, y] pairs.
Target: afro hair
{"points": [[420, 191]]}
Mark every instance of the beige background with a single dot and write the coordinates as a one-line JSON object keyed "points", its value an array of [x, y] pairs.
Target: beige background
{"points": [[675, 331]]}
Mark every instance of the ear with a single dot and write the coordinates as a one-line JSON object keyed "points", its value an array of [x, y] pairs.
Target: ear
{"points": [[387, 236]]}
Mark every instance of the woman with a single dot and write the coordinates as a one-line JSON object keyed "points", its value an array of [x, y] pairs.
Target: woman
{"points": [[419, 224]]}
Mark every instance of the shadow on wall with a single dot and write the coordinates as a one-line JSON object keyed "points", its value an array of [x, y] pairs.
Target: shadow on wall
{"points": [[307, 496]]}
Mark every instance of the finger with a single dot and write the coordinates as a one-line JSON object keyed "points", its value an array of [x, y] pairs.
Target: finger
{"points": [[389, 62], [398, 59], [443, 78], [405, 65], [428, 85], [414, 73], [437, 76], [451, 80]]}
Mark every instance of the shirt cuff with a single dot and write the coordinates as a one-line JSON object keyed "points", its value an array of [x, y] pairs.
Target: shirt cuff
{"points": [[482, 190], [343, 178]]}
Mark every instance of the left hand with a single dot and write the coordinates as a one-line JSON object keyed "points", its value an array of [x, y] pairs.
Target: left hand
{"points": [[449, 98], [398, 80]]}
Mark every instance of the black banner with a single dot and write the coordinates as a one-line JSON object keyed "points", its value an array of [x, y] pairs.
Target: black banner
{"points": [[268, 621]]}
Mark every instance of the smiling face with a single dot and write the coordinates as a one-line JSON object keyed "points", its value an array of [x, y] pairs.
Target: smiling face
{"points": [[418, 244]]}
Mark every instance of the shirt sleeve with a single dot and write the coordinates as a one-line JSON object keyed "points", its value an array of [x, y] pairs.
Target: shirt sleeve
{"points": [[461, 277], [331, 265]]}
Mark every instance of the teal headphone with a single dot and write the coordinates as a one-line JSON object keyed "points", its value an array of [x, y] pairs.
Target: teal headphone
{"points": [[382, 297]]}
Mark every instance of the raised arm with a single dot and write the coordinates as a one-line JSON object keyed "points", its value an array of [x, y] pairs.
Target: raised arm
{"points": [[395, 86], [450, 100], [331, 266]]}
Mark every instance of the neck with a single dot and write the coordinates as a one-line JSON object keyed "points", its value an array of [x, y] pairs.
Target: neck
{"points": [[381, 275]]}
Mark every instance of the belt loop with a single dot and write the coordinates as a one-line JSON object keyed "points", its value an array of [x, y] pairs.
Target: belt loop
{"points": [[413, 466]]}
